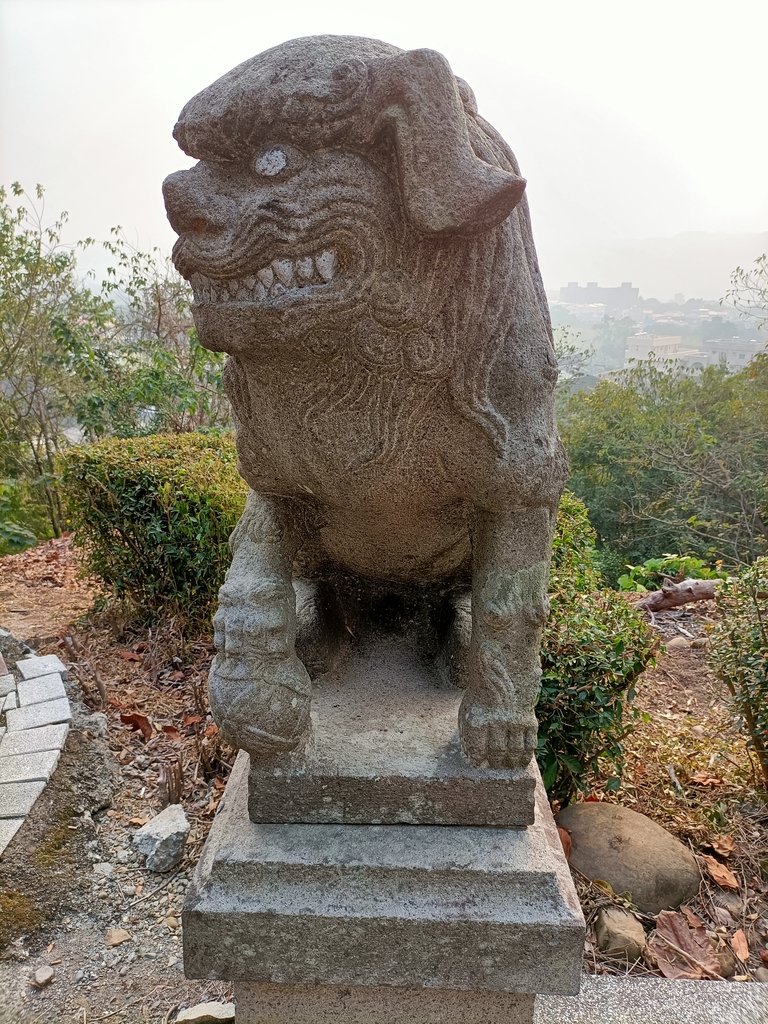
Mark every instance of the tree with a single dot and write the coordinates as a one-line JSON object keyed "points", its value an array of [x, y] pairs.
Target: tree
{"points": [[79, 364], [39, 296], [668, 460], [748, 293]]}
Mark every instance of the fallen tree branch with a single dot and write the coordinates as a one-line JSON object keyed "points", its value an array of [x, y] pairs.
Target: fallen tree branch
{"points": [[672, 595]]}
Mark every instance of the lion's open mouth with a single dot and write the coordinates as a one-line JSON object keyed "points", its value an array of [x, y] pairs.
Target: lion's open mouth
{"points": [[283, 278]]}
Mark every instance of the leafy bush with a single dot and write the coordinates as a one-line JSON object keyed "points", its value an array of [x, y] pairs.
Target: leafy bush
{"points": [[668, 460], [594, 648], [653, 571], [152, 516], [739, 652]]}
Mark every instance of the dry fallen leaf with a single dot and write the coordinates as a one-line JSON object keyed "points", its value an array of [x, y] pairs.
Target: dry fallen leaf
{"points": [[682, 951], [138, 721], [173, 733], [720, 873], [130, 656], [722, 916], [706, 779], [116, 936], [740, 946], [723, 846], [565, 840]]}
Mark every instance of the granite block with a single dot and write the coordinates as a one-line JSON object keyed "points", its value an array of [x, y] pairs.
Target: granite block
{"points": [[40, 689], [36, 767], [49, 713], [8, 829], [29, 741], [40, 665], [7, 684], [18, 798]]}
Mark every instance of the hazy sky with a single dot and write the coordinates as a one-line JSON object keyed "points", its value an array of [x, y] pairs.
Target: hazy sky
{"points": [[630, 118]]}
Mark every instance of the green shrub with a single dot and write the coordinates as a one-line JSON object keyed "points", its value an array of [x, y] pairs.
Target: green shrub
{"points": [[739, 653], [594, 648], [152, 516], [653, 571]]}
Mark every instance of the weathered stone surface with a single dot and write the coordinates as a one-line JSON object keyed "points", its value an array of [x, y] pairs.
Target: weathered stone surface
{"points": [[326, 1004], [358, 242], [7, 683], [207, 1013], [47, 737], [40, 689], [163, 838], [402, 905], [8, 829], [11, 701], [18, 798], [393, 760], [41, 665], [49, 713], [36, 767], [631, 852], [619, 933]]}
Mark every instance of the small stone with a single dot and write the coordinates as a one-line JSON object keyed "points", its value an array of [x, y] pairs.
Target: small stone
{"points": [[162, 839], [698, 731], [44, 976], [761, 974], [104, 869], [727, 962], [129, 890], [117, 936], [207, 1013], [619, 933], [678, 643], [123, 856], [49, 713], [700, 643], [171, 923]]}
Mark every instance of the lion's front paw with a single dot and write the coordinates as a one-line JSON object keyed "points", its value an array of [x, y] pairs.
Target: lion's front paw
{"points": [[261, 706], [496, 736]]}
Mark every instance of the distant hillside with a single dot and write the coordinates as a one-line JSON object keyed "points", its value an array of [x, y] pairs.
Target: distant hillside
{"points": [[697, 263]]}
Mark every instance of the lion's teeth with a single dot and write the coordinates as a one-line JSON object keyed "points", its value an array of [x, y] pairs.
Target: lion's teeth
{"points": [[234, 288], [250, 282], [259, 292], [305, 268], [284, 271], [326, 264], [266, 276], [276, 289], [243, 293]]}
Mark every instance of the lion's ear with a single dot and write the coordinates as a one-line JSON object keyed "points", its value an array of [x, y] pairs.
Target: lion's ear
{"points": [[445, 187]]}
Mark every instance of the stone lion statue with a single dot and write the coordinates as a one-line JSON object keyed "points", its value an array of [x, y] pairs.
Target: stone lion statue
{"points": [[358, 242]]}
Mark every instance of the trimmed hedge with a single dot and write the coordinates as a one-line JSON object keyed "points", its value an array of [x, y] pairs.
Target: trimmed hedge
{"points": [[152, 516]]}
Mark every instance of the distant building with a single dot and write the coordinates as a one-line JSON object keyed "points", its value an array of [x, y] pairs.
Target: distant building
{"points": [[735, 353], [623, 297]]}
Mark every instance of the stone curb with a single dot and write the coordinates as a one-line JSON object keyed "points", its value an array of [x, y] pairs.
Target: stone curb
{"points": [[34, 721]]}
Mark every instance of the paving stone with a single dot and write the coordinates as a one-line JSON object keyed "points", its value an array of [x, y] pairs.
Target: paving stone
{"points": [[8, 829], [48, 737], [2, 731], [42, 665], [10, 702], [7, 683], [39, 714], [17, 798], [40, 689], [36, 767], [3, 666]]}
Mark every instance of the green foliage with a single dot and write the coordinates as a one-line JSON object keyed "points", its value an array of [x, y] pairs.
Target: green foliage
{"points": [[594, 648], [653, 571], [124, 362], [739, 652], [152, 517], [673, 461], [748, 292]]}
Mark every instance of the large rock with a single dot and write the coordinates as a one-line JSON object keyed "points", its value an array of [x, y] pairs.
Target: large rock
{"points": [[162, 839], [632, 853], [619, 933]]}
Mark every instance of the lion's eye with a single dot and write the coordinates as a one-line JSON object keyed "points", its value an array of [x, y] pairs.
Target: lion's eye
{"points": [[271, 162]]}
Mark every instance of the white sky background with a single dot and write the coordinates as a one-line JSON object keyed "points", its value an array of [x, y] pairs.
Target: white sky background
{"points": [[630, 118]]}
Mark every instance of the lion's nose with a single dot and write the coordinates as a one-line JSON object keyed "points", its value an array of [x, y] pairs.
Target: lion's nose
{"points": [[191, 206]]}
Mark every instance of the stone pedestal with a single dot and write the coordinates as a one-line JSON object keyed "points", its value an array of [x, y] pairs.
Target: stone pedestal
{"points": [[385, 749], [324, 1004], [488, 912]]}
